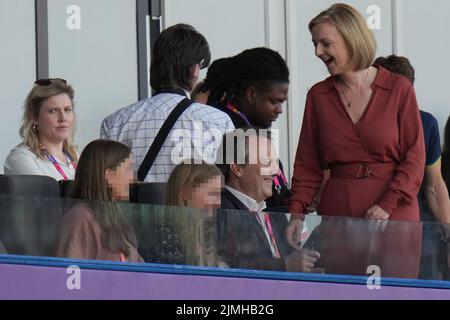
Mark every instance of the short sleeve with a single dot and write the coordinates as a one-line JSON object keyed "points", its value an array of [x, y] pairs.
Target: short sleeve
{"points": [[432, 139]]}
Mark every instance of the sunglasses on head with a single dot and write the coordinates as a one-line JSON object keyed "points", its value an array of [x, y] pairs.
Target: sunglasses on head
{"points": [[47, 82]]}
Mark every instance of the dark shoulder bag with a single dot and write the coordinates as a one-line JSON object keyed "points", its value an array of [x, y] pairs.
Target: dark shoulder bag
{"points": [[157, 144]]}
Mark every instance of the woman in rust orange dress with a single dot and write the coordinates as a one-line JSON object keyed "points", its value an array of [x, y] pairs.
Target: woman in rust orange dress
{"points": [[363, 124]]}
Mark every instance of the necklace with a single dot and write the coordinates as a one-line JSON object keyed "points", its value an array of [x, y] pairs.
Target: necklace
{"points": [[348, 103]]}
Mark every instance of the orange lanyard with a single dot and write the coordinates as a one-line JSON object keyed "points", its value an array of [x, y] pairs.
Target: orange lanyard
{"points": [[239, 113]]}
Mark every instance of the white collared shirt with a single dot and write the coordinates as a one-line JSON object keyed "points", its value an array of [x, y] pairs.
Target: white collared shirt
{"points": [[256, 207], [138, 124]]}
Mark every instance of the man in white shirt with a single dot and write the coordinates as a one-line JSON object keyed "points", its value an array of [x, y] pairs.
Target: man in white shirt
{"points": [[178, 55], [254, 239]]}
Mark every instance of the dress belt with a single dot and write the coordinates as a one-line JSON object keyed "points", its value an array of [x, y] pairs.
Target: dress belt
{"points": [[377, 171]]}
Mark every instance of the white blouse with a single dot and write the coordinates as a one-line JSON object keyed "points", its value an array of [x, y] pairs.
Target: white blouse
{"points": [[22, 161]]}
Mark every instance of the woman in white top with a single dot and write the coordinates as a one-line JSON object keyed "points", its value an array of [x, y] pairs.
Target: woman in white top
{"points": [[47, 132]]}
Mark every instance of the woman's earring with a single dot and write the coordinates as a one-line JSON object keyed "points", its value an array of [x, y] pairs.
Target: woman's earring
{"points": [[35, 127]]}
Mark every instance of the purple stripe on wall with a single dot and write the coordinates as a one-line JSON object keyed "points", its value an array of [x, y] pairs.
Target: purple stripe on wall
{"points": [[30, 282]]}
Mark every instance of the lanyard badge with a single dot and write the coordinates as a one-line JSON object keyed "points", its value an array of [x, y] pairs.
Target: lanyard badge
{"points": [[55, 163]]}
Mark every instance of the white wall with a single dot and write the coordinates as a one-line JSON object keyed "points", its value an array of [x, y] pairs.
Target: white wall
{"points": [[99, 59], [18, 68], [423, 37]]}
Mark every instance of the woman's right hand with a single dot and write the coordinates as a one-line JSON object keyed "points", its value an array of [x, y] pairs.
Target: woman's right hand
{"points": [[313, 206]]}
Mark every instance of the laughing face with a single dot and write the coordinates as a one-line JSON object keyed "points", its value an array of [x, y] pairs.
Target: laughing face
{"points": [[330, 47], [257, 178]]}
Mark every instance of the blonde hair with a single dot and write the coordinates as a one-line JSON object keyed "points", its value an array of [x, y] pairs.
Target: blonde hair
{"points": [[32, 107], [188, 175], [196, 231], [353, 27]]}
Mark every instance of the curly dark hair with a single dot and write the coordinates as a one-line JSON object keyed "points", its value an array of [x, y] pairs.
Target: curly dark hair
{"points": [[230, 77]]}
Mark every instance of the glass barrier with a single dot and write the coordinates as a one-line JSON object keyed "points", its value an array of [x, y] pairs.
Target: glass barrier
{"points": [[222, 239]]}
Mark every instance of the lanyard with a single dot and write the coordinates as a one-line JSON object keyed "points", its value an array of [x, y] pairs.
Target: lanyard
{"points": [[55, 162], [239, 113], [268, 224], [277, 183]]}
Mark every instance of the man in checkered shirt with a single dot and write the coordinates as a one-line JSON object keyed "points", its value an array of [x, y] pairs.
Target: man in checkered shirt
{"points": [[178, 55]]}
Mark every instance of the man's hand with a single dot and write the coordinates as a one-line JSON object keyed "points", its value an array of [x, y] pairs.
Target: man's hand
{"points": [[302, 261], [293, 232], [377, 213]]}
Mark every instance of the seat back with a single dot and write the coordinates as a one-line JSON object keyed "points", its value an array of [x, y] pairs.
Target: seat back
{"points": [[66, 187], [29, 186], [148, 192], [30, 209]]}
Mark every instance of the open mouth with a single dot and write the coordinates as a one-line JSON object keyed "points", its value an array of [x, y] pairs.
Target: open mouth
{"points": [[327, 61]]}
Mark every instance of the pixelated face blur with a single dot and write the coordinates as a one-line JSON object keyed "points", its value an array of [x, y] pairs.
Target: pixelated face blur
{"points": [[266, 104], [257, 178], [55, 119], [119, 179], [206, 195], [330, 47]]}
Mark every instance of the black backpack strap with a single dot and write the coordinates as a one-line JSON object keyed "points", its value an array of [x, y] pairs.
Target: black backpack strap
{"points": [[157, 144]]}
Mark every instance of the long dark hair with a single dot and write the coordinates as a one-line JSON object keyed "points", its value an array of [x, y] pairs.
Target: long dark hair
{"points": [[218, 81], [90, 184]]}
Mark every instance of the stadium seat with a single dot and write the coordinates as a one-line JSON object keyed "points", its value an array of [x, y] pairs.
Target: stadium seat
{"points": [[29, 186], [66, 187], [148, 192]]}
